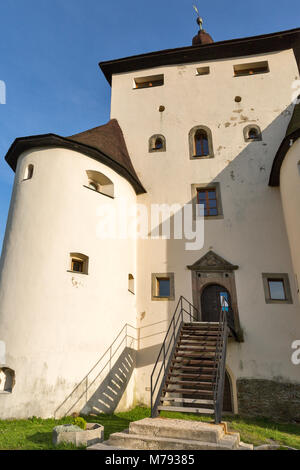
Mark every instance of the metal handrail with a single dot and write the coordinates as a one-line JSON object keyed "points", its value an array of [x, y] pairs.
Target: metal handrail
{"points": [[220, 360], [165, 355]]}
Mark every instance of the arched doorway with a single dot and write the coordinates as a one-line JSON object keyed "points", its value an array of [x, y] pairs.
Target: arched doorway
{"points": [[213, 298], [227, 400]]}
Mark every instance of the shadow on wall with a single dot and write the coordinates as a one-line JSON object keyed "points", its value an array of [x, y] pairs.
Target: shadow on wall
{"points": [[108, 394]]}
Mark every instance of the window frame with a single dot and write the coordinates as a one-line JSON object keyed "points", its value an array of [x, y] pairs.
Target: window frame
{"points": [[275, 277], [192, 135], [155, 278], [207, 186], [152, 141], [79, 257]]}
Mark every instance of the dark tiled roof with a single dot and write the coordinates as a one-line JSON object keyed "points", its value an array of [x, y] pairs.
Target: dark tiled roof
{"points": [[262, 44], [105, 144], [292, 134]]}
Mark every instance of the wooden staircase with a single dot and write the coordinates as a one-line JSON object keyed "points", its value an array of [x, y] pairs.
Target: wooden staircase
{"points": [[194, 367]]}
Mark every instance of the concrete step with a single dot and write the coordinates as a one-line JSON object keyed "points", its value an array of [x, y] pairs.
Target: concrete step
{"points": [[178, 429], [141, 442]]}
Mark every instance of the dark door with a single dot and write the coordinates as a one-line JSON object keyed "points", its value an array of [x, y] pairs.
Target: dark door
{"points": [[213, 298]]}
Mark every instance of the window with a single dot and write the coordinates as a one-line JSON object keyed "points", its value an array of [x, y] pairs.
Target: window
{"points": [[79, 263], [28, 172], [7, 380], [208, 195], [157, 143], [200, 142], [252, 133], [99, 182], [149, 82], [251, 69], [203, 71], [131, 283], [163, 286], [277, 288]]}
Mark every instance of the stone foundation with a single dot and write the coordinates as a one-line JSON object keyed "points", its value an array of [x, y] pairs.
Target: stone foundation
{"points": [[268, 398]]}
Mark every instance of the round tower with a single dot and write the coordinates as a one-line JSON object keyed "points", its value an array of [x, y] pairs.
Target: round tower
{"points": [[64, 293]]}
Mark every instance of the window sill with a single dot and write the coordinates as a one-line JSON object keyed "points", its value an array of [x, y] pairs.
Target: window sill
{"points": [[163, 298], [99, 192], [204, 157], [157, 150], [76, 272], [250, 74], [280, 302]]}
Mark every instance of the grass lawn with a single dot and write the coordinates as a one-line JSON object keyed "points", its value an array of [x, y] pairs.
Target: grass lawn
{"points": [[36, 433]]}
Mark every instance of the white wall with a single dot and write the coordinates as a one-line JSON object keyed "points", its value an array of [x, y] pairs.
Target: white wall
{"points": [[290, 194], [252, 233], [57, 324]]}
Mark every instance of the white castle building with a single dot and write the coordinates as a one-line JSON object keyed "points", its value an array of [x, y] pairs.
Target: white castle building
{"points": [[83, 316]]}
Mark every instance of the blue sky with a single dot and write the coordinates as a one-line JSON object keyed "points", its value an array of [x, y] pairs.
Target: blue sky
{"points": [[50, 49]]}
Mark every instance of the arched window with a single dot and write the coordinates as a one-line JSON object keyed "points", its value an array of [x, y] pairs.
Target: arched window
{"points": [[252, 133], [99, 182], [131, 283], [7, 379], [200, 142], [157, 143], [28, 172], [79, 263]]}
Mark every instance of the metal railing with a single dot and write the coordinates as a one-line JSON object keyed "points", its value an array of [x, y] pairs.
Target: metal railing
{"points": [[184, 311], [220, 363]]}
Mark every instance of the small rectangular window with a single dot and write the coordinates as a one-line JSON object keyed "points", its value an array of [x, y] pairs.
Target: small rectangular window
{"points": [[149, 82], [163, 287], [251, 69], [203, 71], [77, 265], [208, 197], [276, 289]]}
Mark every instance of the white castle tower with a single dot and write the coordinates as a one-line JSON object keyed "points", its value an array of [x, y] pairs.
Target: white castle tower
{"points": [[214, 124]]}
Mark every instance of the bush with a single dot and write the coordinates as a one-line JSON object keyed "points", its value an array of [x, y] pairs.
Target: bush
{"points": [[80, 422]]}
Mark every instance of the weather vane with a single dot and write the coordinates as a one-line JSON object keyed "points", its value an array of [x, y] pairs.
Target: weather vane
{"points": [[199, 19]]}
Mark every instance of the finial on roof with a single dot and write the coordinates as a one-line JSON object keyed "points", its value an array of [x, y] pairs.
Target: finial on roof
{"points": [[202, 37], [199, 19]]}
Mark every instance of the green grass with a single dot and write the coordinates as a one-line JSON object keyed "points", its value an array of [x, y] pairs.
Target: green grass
{"points": [[36, 433]]}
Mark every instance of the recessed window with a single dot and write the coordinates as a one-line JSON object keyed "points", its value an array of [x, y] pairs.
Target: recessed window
{"points": [[251, 68], [99, 182], [200, 142], [203, 71], [149, 82], [157, 143], [131, 283], [252, 133], [28, 172], [79, 263], [209, 197], [163, 286], [277, 288], [7, 380]]}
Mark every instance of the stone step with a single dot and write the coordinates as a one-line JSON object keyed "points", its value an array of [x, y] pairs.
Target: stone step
{"points": [[140, 442]]}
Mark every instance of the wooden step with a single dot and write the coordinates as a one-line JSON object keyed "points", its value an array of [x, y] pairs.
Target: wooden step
{"points": [[205, 377], [196, 342], [203, 354], [196, 347], [186, 409], [196, 401], [194, 362], [205, 369], [189, 391], [192, 383], [201, 328]]}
